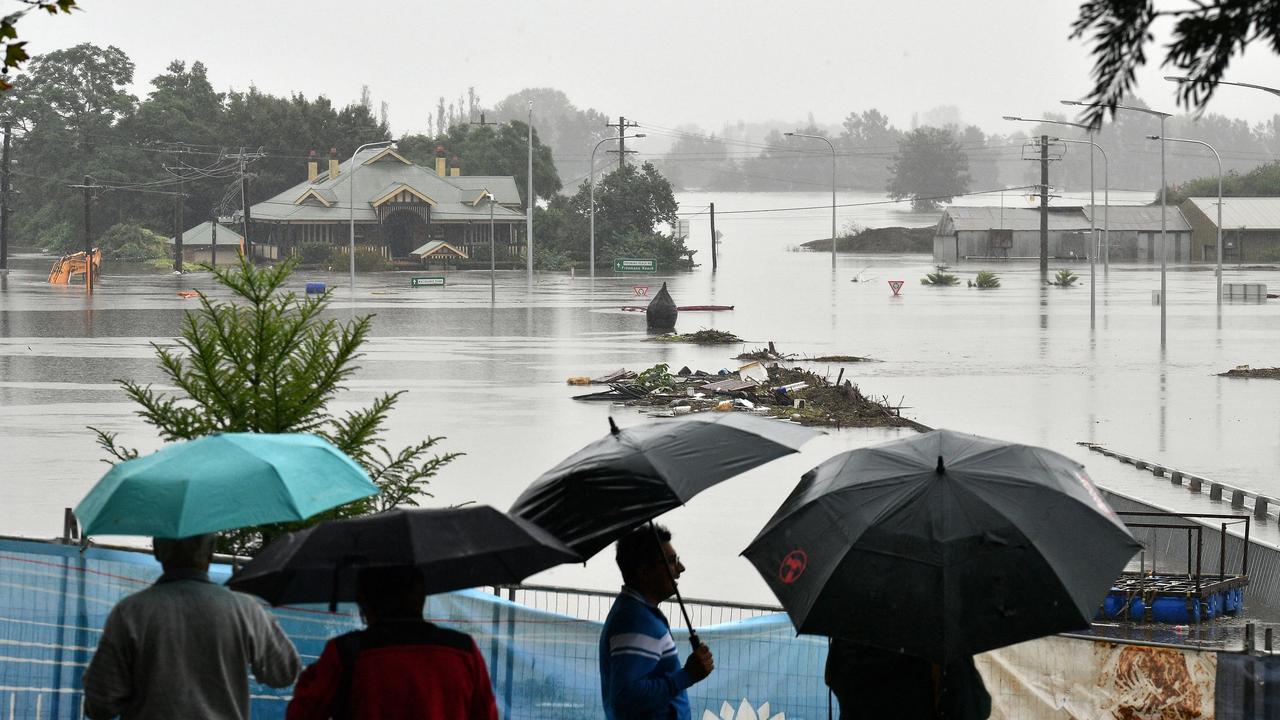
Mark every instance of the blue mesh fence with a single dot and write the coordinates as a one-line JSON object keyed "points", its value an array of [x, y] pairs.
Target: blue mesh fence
{"points": [[544, 664]]}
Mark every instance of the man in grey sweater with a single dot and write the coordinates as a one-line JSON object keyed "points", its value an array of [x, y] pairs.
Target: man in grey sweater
{"points": [[181, 648]]}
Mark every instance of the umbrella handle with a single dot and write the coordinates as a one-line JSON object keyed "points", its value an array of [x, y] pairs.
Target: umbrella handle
{"points": [[693, 634]]}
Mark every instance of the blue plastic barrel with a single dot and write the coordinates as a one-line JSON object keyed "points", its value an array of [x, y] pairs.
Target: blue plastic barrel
{"points": [[1112, 607], [1173, 610], [315, 288], [1137, 608]]}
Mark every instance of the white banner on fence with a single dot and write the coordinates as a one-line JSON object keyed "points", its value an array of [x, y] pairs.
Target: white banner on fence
{"points": [[1061, 677]]}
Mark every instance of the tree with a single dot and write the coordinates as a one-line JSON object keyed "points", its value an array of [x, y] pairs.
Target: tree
{"points": [[15, 51], [930, 168], [631, 204], [1206, 37], [486, 151], [272, 363]]}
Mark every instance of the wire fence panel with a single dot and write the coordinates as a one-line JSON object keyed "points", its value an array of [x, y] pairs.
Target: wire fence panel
{"points": [[542, 652]]}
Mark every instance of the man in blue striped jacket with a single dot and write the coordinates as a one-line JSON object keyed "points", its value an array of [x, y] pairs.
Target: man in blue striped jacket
{"points": [[640, 673]]}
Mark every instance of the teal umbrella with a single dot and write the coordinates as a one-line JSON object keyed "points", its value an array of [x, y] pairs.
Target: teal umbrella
{"points": [[220, 482]]}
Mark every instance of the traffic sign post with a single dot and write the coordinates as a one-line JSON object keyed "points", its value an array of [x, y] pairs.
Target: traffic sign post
{"points": [[430, 281], [640, 290], [895, 286], [635, 265]]}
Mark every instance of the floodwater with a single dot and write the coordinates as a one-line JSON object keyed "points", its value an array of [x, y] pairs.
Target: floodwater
{"points": [[1019, 363]]}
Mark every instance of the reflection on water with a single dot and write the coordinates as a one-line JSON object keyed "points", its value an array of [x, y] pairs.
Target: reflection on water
{"points": [[1016, 363]]}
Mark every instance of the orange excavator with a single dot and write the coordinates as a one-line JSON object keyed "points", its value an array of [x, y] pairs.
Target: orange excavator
{"points": [[68, 266]]}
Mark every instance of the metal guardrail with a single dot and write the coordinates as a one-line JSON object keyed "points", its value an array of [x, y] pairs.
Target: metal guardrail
{"points": [[1261, 505], [594, 605]]}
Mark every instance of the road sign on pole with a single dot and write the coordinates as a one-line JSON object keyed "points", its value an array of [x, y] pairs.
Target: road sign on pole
{"points": [[635, 265], [895, 286], [430, 281]]}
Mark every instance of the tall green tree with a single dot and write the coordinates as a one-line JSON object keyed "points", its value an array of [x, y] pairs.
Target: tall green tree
{"points": [[930, 168], [268, 361]]}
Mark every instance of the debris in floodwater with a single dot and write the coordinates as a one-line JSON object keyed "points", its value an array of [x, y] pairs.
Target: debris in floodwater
{"points": [[701, 337], [1244, 371]]}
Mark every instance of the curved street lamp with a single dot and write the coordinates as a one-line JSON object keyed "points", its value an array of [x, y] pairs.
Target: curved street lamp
{"points": [[1219, 159], [592, 183], [1164, 247], [351, 207], [833, 189]]}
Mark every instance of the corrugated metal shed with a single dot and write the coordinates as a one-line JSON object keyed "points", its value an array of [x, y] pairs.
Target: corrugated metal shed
{"points": [[1142, 218], [988, 218], [202, 234], [375, 172], [1250, 213]]}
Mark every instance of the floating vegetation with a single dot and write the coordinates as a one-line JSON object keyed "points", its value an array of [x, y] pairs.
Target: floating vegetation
{"points": [[1064, 278], [986, 280]]}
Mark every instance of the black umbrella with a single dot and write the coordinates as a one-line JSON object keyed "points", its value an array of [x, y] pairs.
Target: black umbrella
{"points": [[942, 545], [455, 548], [631, 476]]}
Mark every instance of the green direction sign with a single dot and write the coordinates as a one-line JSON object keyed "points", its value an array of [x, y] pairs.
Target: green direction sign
{"points": [[635, 265], [436, 280]]}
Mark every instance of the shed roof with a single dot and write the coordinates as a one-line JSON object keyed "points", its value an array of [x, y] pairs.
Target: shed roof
{"points": [[439, 249], [964, 218], [1250, 213], [375, 172], [1143, 218], [202, 234]]}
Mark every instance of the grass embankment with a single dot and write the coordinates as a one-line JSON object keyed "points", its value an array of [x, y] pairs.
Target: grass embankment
{"points": [[888, 240]]}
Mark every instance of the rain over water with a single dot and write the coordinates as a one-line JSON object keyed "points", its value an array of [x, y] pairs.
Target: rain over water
{"points": [[1017, 363]]}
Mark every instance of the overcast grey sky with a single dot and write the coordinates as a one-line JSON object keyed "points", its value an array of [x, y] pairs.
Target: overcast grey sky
{"points": [[664, 62]]}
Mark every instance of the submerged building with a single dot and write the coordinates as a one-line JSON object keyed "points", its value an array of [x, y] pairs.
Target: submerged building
{"points": [[993, 233], [397, 207]]}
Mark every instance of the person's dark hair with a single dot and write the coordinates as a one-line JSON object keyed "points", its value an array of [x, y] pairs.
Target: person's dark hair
{"points": [[639, 549], [188, 552], [391, 592]]}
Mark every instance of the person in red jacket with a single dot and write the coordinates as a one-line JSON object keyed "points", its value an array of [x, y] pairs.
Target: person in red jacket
{"points": [[400, 666]]}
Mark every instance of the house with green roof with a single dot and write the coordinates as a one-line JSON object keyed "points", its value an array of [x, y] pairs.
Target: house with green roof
{"points": [[397, 207]]}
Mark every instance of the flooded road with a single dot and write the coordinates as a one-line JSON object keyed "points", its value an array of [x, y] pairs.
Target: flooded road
{"points": [[1018, 363]]}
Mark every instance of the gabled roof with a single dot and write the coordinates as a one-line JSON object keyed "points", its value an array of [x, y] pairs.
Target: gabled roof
{"points": [[202, 234], [376, 172], [1142, 218], [324, 195], [1250, 213], [439, 249], [395, 189]]}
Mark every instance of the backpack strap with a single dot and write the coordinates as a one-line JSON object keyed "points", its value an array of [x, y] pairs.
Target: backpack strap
{"points": [[348, 647]]}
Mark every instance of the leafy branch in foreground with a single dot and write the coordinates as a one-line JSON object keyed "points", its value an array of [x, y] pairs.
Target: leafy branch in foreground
{"points": [[269, 362]]}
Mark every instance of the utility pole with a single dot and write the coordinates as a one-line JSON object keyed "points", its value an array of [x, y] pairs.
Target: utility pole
{"points": [[88, 242], [213, 242], [243, 156], [622, 150], [177, 232], [528, 244], [713, 238], [4, 198], [1044, 204]]}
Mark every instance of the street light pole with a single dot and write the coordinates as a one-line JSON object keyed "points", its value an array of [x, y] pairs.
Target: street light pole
{"points": [[1106, 203], [529, 203], [833, 189], [1217, 157], [1164, 247], [592, 183], [493, 277], [351, 208]]}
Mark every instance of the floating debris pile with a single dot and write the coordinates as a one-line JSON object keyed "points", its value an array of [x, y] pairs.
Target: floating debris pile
{"points": [[1244, 371], [793, 394], [702, 337]]}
